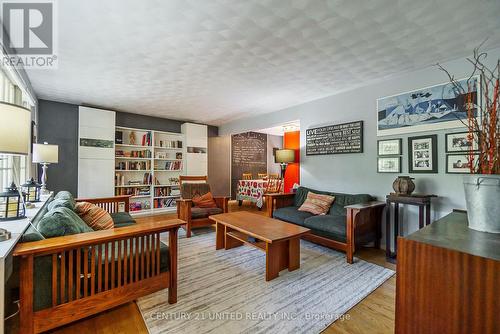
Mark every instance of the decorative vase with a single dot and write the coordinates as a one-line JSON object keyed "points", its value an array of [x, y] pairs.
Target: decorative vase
{"points": [[403, 185], [482, 198]]}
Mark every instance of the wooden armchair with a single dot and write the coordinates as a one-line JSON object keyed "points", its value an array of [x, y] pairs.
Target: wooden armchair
{"points": [[192, 216], [87, 273]]}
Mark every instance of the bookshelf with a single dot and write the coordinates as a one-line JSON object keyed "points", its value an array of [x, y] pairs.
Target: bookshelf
{"points": [[147, 166]]}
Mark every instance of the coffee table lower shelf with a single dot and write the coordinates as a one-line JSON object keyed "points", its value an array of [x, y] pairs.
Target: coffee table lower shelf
{"points": [[279, 254]]}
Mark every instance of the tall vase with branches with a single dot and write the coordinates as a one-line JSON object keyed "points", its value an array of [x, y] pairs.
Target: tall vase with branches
{"points": [[482, 188]]}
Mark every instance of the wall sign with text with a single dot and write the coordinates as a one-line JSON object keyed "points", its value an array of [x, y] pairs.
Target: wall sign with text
{"points": [[335, 139]]}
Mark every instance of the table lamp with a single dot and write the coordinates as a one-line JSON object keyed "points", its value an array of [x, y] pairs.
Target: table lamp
{"points": [[284, 157], [15, 138], [45, 155]]}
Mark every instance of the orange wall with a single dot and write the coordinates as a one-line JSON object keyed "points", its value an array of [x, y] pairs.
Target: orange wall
{"points": [[291, 140]]}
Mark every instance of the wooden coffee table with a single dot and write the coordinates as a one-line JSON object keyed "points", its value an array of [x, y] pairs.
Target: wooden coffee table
{"points": [[280, 240]]}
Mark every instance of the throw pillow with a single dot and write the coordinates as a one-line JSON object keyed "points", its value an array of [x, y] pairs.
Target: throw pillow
{"points": [[204, 201], [317, 204], [61, 221], [95, 217]]}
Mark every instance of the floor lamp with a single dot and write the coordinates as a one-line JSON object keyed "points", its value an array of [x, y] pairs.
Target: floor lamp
{"points": [[45, 155], [15, 139]]}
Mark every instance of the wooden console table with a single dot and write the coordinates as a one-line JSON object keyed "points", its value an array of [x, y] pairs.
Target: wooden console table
{"points": [[423, 201], [448, 279]]}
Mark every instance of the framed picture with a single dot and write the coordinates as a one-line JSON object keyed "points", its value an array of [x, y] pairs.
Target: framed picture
{"points": [[389, 147], [389, 165], [459, 163], [460, 142], [422, 154], [431, 108]]}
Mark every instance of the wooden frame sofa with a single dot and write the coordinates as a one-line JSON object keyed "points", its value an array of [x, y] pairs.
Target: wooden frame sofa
{"points": [[90, 272], [356, 224], [192, 216]]}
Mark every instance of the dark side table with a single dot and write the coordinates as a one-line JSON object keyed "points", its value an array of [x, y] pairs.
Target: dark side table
{"points": [[423, 201]]}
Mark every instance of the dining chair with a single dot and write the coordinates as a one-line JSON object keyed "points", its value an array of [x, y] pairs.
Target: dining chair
{"points": [[247, 176], [273, 176], [262, 175]]}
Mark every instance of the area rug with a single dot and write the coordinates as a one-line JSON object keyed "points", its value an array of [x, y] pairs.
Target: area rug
{"points": [[225, 291]]}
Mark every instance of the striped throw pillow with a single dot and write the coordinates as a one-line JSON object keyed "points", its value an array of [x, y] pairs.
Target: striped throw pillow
{"points": [[94, 216], [317, 204]]}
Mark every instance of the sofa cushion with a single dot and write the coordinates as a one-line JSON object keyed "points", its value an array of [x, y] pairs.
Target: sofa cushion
{"points": [[204, 201], [65, 195], [61, 202], [197, 212], [189, 190], [342, 200], [61, 221], [317, 204], [95, 217], [291, 214], [333, 227], [122, 219]]}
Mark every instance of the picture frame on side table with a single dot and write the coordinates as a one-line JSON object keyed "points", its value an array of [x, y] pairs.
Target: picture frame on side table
{"points": [[459, 142], [389, 146], [389, 165], [459, 163], [422, 154]]}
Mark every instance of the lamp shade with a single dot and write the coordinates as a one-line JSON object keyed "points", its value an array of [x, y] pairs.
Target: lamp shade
{"points": [[15, 129], [285, 156], [45, 153]]}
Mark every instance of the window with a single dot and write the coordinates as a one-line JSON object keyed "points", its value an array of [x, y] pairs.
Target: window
{"points": [[12, 168]]}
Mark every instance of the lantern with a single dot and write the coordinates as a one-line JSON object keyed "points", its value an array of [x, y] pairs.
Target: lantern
{"points": [[11, 205], [31, 189]]}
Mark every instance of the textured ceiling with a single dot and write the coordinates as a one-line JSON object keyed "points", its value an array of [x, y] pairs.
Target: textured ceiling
{"points": [[218, 60]]}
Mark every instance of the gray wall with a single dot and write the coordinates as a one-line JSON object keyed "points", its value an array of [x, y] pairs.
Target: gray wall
{"points": [[357, 173], [58, 124], [272, 142], [219, 165]]}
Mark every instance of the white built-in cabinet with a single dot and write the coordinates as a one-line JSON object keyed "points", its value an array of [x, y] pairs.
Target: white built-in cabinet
{"points": [[196, 149], [96, 153]]}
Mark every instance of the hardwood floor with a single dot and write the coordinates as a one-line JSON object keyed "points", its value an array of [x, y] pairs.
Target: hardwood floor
{"points": [[374, 314]]}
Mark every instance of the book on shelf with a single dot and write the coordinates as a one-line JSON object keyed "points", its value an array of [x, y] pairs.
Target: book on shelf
{"points": [[170, 144], [133, 191]]}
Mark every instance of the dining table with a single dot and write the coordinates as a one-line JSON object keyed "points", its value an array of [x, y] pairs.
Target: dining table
{"points": [[252, 190]]}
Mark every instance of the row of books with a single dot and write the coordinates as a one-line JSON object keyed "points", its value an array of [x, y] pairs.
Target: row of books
{"points": [[169, 143], [132, 191], [146, 139], [168, 165], [133, 165], [164, 203], [166, 191], [133, 154], [138, 205]]}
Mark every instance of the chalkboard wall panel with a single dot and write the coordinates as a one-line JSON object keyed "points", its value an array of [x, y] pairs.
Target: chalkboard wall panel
{"points": [[335, 139], [248, 155]]}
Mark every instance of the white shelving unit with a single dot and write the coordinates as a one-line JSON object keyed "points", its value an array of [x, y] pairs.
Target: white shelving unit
{"points": [[158, 159]]}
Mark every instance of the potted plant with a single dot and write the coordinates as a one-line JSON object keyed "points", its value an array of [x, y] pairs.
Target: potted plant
{"points": [[482, 186]]}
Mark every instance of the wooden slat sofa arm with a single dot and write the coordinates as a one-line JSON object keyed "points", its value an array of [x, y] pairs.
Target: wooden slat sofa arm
{"points": [[361, 218], [276, 201], [57, 244], [110, 204]]}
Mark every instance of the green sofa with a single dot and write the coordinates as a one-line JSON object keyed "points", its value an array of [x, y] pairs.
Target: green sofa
{"points": [[353, 219], [57, 219]]}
